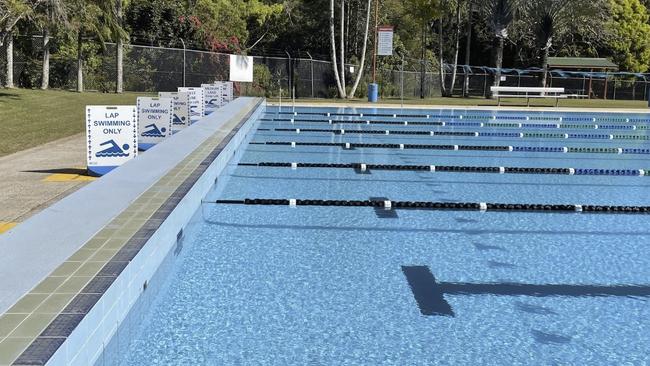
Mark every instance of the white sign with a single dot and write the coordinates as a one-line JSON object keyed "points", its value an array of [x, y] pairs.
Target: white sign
{"points": [[154, 120], [226, 90], [181, 117], [112, 137], [385, 40], [213, 97], [241, 68], [196, 103]]}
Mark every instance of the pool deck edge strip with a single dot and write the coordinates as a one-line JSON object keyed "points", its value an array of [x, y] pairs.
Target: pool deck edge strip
{"points": [[444, 206], [43, 347]]}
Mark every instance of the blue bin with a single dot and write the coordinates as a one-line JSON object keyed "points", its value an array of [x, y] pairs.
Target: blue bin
{"points": [[373, 92]]}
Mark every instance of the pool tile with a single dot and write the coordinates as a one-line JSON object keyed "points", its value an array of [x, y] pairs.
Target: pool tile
{"points": [[48, 285], [81, 304], [73, 285], [114, 244], [9, 322], [40, 351], [66, 269], [62, 325], [89, 268], [103, 255], [113, 268], [27, 303], [11, 348], [32, 326], [98, 285], [54, 304], [81, 255]]}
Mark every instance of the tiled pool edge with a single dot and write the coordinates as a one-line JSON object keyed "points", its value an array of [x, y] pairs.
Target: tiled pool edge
{"points": [[170, 215]]}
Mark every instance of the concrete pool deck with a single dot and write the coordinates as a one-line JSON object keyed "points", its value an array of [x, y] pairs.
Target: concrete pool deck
{"points": [[35, 178], [64, 260]]}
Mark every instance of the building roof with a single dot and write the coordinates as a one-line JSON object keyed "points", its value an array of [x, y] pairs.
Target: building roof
{"points": [[581, 63]]}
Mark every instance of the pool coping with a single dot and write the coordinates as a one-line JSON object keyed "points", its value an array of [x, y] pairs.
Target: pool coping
{"points": [[36, 325], [326, 104]]}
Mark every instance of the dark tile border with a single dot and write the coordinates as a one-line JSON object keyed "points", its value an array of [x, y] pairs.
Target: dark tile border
{"points": [[49, 341]]}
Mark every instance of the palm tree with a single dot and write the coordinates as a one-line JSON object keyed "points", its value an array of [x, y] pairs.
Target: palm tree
{"points": [[551, 19], [500, 14], [95, 18], [49, 14]]}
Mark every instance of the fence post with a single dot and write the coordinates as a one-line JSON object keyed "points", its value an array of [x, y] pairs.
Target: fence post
{"points": [[184, 50], [311, 64], [402, 82], [290, 71]]}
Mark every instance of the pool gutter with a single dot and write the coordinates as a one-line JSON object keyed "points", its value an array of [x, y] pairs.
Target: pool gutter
{"points": [[72, 272]]}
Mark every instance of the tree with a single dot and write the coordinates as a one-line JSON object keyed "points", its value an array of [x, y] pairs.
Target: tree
{"points": [[363, 51], [499, 15], [340, 86], [550, 20], [630, 44], [11, 12], [96, 18], [48, 15]]}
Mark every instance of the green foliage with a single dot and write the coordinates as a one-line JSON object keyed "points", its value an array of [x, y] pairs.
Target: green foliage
{"points": [[631, 35]]}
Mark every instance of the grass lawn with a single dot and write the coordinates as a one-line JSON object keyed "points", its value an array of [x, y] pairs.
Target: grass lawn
{"points": [[568, 103], [33, 117]]}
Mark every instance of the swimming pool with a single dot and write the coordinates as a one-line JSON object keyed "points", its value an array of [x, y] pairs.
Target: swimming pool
{"points": [[422, 279]]}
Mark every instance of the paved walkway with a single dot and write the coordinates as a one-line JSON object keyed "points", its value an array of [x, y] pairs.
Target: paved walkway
{"points": [[33, 179]]}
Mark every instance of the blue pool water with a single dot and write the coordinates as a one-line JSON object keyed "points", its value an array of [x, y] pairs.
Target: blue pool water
{"points": [[354, 285]]}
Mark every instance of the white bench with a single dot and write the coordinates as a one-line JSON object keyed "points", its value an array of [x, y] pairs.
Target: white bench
{"points": [[528, 93]]}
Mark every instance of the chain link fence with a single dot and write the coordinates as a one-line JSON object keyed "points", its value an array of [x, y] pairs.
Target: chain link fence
{"points": [[150, 69]]}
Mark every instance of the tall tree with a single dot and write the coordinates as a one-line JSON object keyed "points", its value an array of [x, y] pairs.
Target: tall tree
{"points": [[96, 18], [12, 12], [550, 20], [49, 15], [363, 51], [499, 15], [339, 85], [630, 43]]}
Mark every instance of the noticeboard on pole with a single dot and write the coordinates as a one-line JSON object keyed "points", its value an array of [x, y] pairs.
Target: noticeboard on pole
{"points": [[385, 40]]}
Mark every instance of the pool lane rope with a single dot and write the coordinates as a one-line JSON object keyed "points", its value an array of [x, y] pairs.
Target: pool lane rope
{"points": [[573, 126], [490, 116], [456, 169], [470, 134], [443, 206], [501, 148]]}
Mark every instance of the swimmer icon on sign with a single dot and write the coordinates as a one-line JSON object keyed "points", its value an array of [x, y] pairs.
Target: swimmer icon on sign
{"points": [[113, 150]]}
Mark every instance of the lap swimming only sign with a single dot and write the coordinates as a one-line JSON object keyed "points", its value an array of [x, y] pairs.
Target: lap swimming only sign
{"points": [[154, 120], [212, 96], [196, 97], [181, 117], [111, 136]]}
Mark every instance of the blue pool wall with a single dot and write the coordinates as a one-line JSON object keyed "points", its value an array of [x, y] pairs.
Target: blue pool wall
{"points": [[97, 334]]}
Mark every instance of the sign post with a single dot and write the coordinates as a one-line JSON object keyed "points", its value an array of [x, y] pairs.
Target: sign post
{"points": [[154, 120], [111, 137], [196, 103], [181, 116]]}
